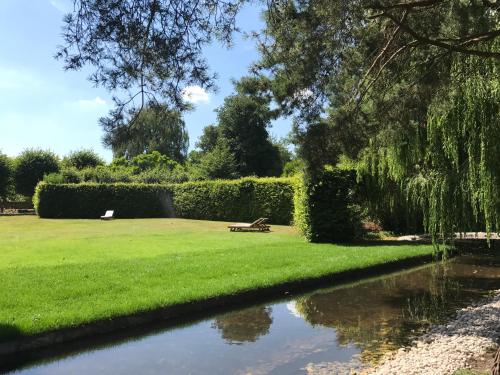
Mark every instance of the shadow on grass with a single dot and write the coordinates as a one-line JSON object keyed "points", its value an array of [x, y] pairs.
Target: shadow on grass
{"points": [[9, 331]]}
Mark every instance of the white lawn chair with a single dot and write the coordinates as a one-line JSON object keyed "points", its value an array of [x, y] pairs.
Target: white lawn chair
{"points": [[108, 215]]}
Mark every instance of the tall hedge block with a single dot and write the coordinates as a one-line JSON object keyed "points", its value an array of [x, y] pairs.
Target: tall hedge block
{"points": [[90, 201], [325, 210]]}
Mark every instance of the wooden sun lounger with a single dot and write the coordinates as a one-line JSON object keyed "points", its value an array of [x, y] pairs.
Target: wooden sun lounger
{"points": [[258, 225], [108, 215]]}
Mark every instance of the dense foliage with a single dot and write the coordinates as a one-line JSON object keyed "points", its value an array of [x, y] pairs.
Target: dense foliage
{"points": [[450, 168], [357, 69], [218, 163], [82, 159], [241, 134], [90, 201], [5, 176], [325, 207], [30, 167], [155, 128], [239, 200], [145, 168]]}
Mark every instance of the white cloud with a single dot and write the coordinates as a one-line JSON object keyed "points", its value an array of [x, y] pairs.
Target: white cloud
{"points": [[91, 103], [195, 94], [292, 308], [63, 6]]}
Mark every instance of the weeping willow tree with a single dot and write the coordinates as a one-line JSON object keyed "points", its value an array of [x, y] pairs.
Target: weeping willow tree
{"points": [[449, 166]]}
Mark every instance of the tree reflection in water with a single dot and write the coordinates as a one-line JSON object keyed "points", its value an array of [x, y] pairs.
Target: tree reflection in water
{"points": [[245, 325], [385, 314]]}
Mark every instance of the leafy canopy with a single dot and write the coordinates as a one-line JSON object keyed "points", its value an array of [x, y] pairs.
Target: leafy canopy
{"points": [[30, 167], [156, 128], [82, 159]]}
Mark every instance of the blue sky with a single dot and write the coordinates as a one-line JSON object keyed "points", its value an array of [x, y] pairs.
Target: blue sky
{"points": [[43, 106]]}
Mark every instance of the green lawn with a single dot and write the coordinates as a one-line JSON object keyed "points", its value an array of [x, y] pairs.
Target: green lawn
{"points": [[60, 273]]}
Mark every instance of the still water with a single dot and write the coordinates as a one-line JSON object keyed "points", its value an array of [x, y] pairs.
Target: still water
{"points": [[352, 325]]}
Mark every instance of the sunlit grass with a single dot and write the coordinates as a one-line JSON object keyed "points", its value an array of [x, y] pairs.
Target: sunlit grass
{"points": [[61, 273]]}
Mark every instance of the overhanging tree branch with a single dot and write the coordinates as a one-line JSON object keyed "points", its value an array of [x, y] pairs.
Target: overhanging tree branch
{"points": [[450, 47]]}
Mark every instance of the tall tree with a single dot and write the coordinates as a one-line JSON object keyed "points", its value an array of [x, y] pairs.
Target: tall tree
{"points": [[243, 123], [218, 163], [361, 64], [156, 128], [208, 139], [383, 76], [450, 167]]}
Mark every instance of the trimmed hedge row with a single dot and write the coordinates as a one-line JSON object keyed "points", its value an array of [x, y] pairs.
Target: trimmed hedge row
{"points": [[322, 207], [238, 200], [90, 200]]}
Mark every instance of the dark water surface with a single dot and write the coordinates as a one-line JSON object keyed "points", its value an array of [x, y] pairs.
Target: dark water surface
{"points": [[350, 324]]}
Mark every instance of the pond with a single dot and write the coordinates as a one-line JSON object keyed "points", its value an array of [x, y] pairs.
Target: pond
{"points": [[352, 325]]}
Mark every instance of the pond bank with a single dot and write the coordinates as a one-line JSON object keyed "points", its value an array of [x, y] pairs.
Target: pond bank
{"points": [[446, 348], [206, 306]]}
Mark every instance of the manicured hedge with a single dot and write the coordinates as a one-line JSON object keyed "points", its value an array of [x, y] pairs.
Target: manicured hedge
{"points": [[236, 200], [90, 201], [325, 209], [322, 207]]}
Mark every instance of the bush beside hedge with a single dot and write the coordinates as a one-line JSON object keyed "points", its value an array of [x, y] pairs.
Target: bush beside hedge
{"points": [[236, 200], [90, 201]]}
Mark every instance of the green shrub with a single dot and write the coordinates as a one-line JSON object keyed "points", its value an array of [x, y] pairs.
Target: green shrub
{"points": [[293, 167], [65, 176], [106, 175], [325, 209], [158, 176], [151, 161], [30, 168], [5, 176], [236, 200], [83, 159], [90, 201]]}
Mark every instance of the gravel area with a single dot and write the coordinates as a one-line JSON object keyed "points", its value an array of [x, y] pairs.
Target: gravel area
{"points": [[474, 333], [459, 236], [447, 348]]}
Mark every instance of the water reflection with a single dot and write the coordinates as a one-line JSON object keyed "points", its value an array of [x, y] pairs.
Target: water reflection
{"points": [[388, 313], [245, 325]]}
